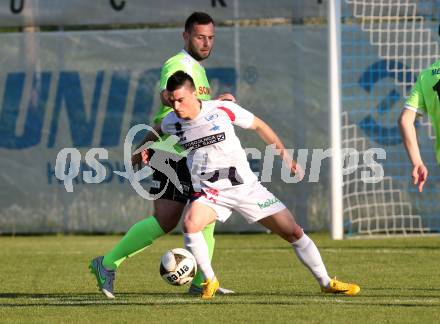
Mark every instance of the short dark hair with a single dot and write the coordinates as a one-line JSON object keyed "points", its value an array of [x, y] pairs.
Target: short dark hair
{"points": [[178, 79], [199, 18]]}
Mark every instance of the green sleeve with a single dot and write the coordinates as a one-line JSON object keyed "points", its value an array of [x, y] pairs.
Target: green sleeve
{"points": [[416, 98]]}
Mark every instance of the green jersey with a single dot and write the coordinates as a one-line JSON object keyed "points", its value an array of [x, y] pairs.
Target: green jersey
{"points": [[425, 98], [185, 62]]}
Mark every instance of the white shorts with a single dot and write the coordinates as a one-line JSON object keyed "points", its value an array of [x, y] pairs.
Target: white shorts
{"points": [[253, 202]]}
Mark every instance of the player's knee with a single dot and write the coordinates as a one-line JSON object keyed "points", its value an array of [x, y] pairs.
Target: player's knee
{"points": [[297, 231], [167, 221], [292, 233], [190, 225], [168, 213]]}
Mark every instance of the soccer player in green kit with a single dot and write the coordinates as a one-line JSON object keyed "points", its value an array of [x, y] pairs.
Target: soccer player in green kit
{"points": [[424, 99], [198, 39]]}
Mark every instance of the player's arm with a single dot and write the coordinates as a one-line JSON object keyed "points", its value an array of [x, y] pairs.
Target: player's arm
{"points": [[151, 136], [409, 137], [226, 97], [268, 135]]}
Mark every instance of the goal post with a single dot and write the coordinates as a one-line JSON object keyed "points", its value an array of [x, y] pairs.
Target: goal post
{"points": [[334, 27]]}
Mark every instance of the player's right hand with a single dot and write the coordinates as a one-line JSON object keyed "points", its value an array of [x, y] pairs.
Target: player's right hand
{"points": [[139, 158], [136, 161], [419, 175], [145, 156], [227, 97]]}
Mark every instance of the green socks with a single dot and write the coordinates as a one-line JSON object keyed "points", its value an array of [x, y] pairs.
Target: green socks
{"points": [[208, 234], [139, 236]]}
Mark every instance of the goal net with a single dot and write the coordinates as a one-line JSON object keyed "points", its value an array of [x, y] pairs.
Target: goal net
{"points": [[384, 46]]}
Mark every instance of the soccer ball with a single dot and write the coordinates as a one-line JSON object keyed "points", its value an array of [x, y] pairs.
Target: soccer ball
{"points": [[178, 266]]}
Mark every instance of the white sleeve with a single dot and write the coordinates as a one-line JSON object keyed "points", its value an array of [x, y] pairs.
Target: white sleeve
{"points": [[238, 115], [413, 109], [165, 123], [162, 127]]}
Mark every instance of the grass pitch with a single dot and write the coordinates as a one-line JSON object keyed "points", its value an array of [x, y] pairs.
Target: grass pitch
{"points": [[46, 280]]}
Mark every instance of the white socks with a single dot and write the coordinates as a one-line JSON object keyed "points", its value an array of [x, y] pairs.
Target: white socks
{"points": [[196, 244], [309, 255]]}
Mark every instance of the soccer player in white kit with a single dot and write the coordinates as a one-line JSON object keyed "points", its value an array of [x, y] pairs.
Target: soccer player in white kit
{"points": [[223, 180]]}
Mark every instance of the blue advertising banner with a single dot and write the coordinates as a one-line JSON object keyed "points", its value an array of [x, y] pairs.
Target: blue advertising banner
{"points": [[83, 91]]}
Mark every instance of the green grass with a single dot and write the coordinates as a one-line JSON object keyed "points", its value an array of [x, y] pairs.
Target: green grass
{"points": [[45, 279]]}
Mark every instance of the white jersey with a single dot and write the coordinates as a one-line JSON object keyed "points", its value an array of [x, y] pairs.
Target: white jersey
{"points": [[216, 158]]}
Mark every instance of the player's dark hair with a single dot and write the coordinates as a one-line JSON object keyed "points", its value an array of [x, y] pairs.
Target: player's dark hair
{"points": [[178, 79], [199, 18]]}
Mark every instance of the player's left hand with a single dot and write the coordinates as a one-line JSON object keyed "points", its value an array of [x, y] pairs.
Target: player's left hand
{"points": [[227, 97], [419, 175], [297, 170]]}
